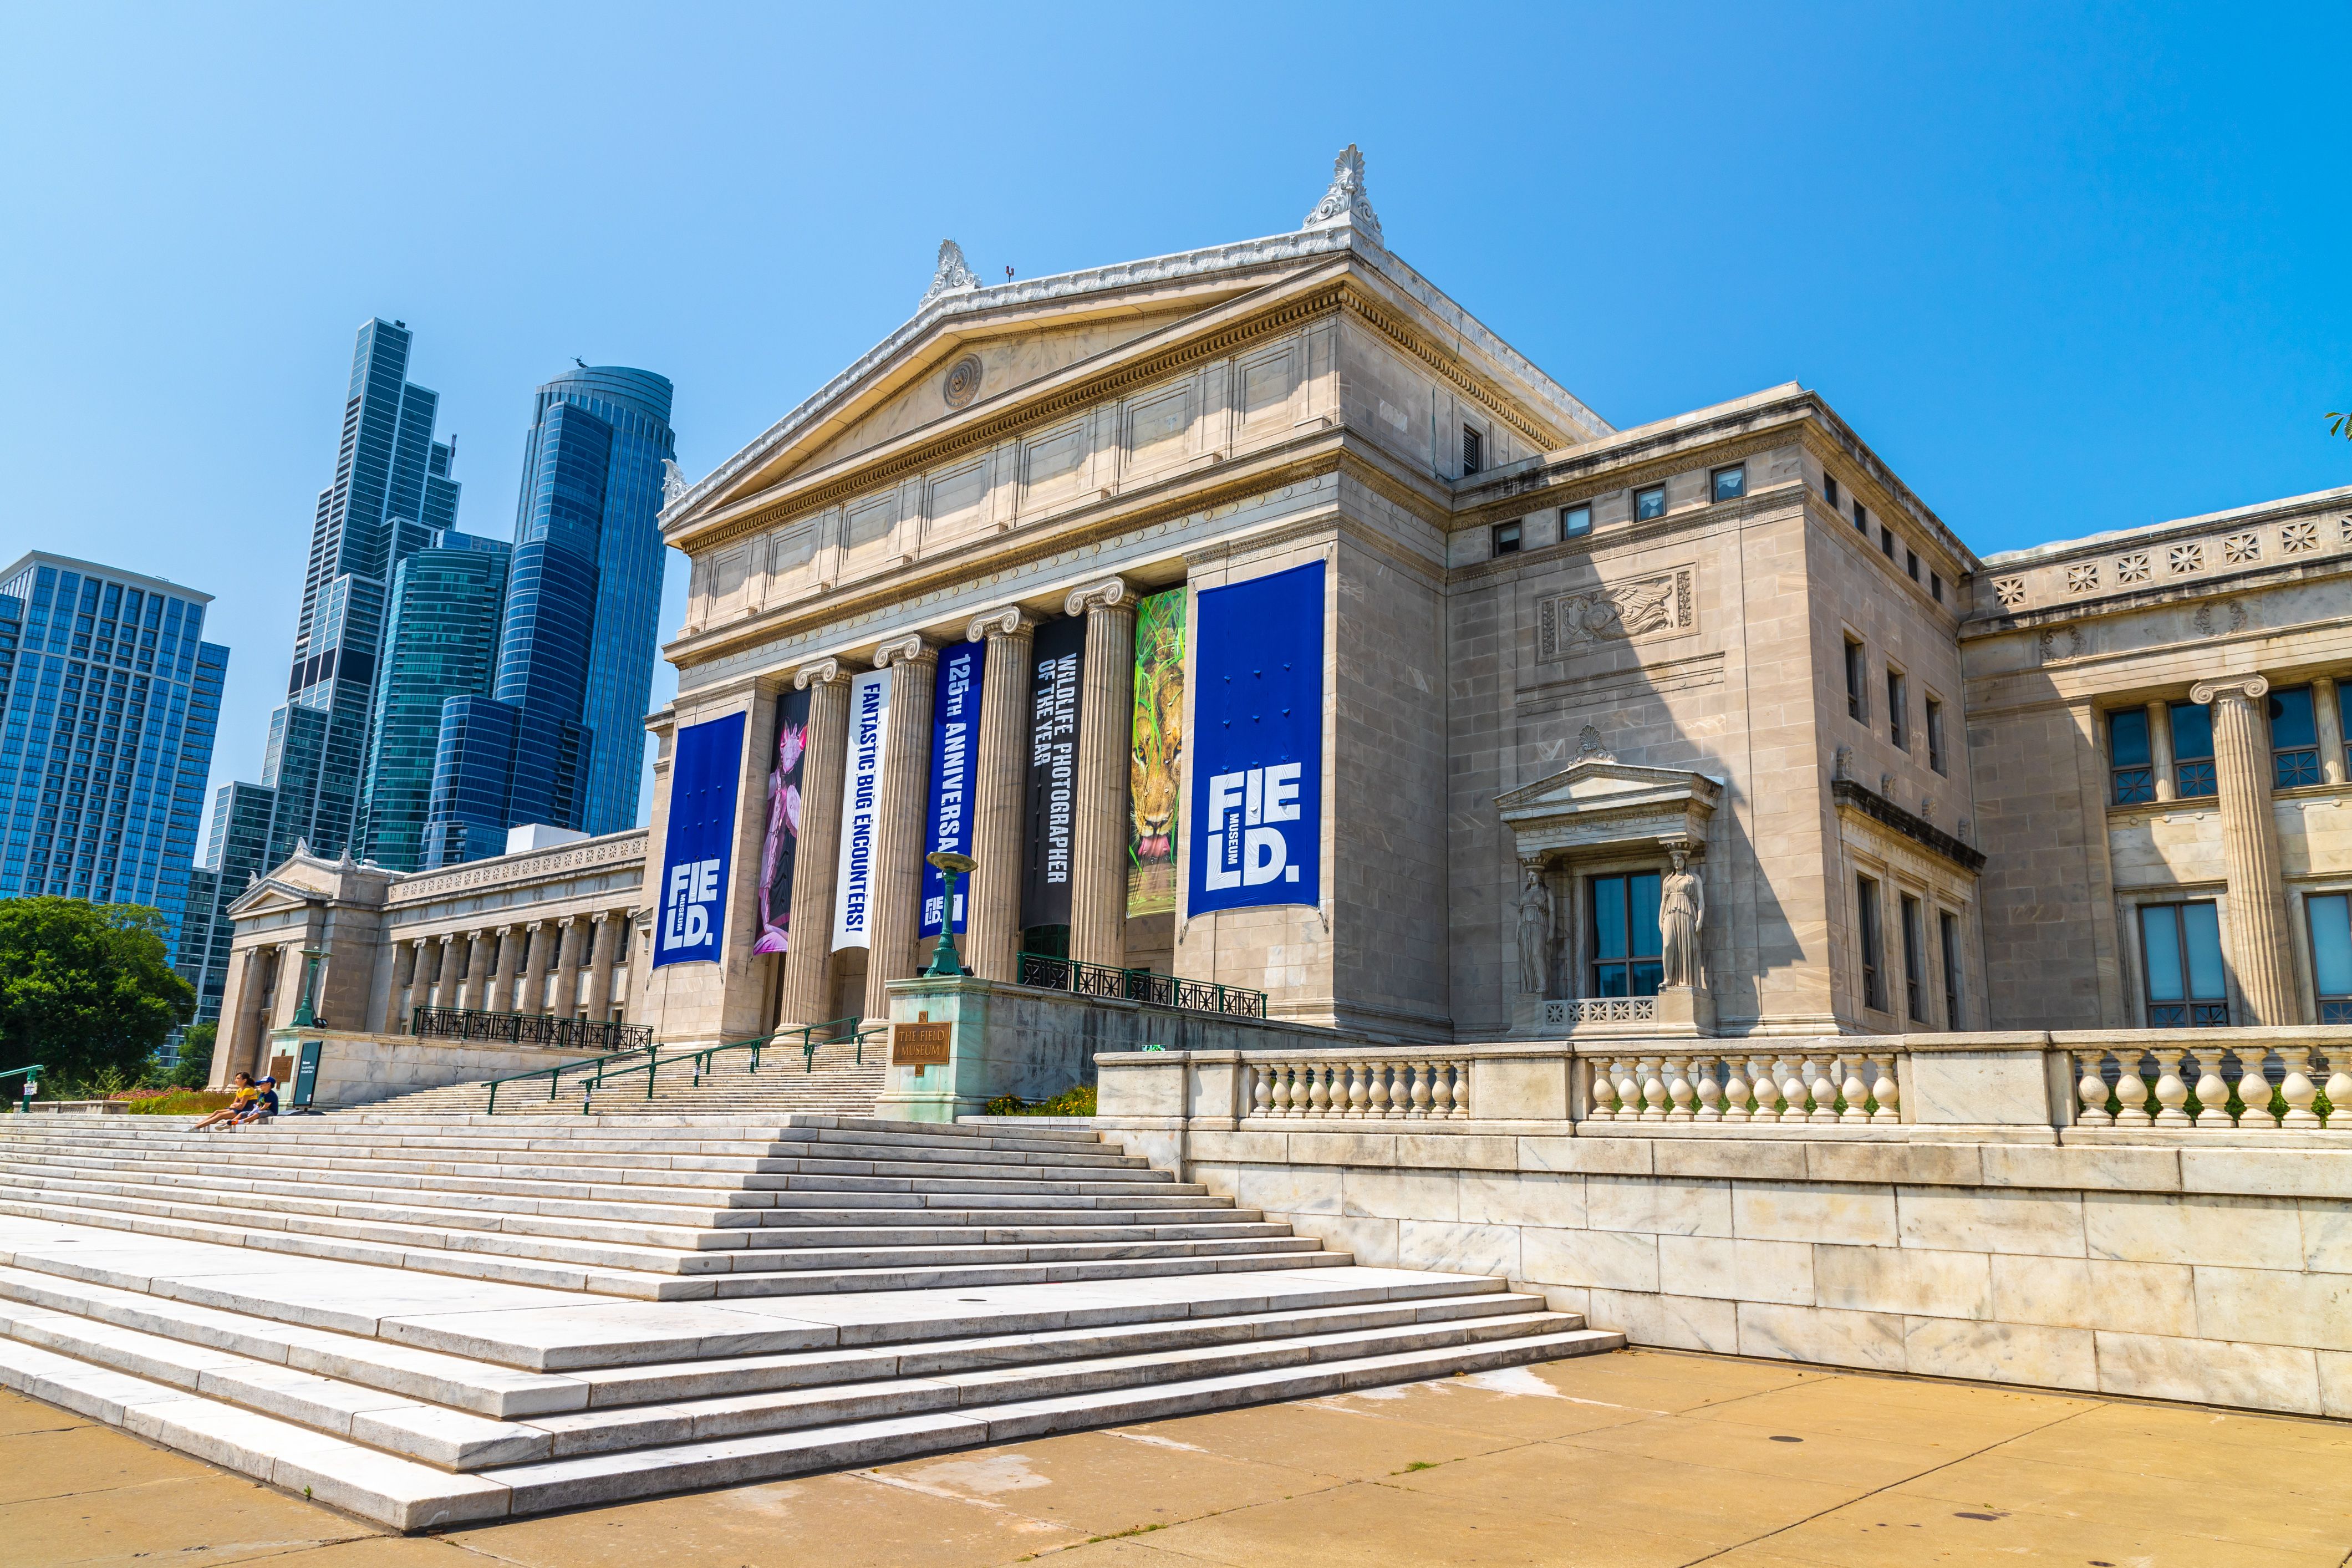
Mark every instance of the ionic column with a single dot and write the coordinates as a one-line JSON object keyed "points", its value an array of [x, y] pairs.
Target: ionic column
{"points": [[2324, 703], [243, 1021], [472, 986], [287, 995], [564, 990], [897, 872], [443, 980], [530, 991], [405, 955], [2249, 848], [497, 987], [2159, 750], [1106, 720], [993, 897], [600, 964], [808, 967]]}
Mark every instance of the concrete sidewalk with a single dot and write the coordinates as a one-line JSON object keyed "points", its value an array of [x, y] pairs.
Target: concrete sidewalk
{"points": [[1624, 1460]]}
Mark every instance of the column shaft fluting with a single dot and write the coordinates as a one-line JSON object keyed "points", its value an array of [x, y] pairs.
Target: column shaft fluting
{"points": [[479, 946], [2160, 749], [530, 991], [443, 979], [403, 972], [808, 965], [898, 870], [564, 993], [2327, 708], [993, 902], [2250, 849], [1106, 720], [600, 968]]}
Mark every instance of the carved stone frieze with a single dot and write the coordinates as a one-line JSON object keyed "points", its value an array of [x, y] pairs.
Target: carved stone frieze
{"points": [[1641, 610]]}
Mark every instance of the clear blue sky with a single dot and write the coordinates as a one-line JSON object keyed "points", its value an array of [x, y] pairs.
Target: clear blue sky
{"points": [[2066, 269]]}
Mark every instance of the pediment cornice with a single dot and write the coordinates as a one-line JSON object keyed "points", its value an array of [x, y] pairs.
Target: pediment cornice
{"points": [[1599, 802]]}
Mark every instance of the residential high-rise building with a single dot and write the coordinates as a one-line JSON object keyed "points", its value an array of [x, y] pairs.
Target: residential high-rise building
{"points": [[109, 698], [559, 739], [441, 641]]}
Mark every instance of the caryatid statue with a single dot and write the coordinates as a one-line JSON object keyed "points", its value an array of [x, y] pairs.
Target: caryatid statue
{"points": [[1535, 933], [1682, 910]]}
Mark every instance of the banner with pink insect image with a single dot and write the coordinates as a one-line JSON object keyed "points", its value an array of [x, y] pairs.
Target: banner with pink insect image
{"points": [[780, 850]]}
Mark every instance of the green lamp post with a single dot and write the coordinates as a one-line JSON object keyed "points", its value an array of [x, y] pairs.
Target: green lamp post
{"points": [[946, 962], [304, 1017]]}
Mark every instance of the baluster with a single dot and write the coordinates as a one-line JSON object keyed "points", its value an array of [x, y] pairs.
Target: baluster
{"points": [[2133, 1090], [1794, 1091], [1461, 1112], [1654, 1087], [2339, 1091], [2091, 1092], [1604, 1099], [2299, 1090], [1884, 1090], [1379, 1093], [1735, 1092], [2212, 1092], [1261, 1090], [1825, 1091], [2171, 1094], [1298, 1086], [1319, 1089], [1416, 1091], [2255, 1091], [1677, 1072], [1857, 1093], [1360, 1090], [1629, 1088], [1766, 1088], [1710, 1093], [1343, 1080], [1440, 1089]]}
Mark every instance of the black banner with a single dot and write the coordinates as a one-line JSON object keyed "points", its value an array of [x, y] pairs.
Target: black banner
{"points": [[781, 851], [1060, 650]]}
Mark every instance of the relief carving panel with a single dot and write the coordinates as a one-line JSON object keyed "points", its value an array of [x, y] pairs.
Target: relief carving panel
{"points": [[1641, 610]]}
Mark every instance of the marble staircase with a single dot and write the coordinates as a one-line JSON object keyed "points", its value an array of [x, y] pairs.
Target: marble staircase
{"points": [[836, 1082], [426, 1318]]}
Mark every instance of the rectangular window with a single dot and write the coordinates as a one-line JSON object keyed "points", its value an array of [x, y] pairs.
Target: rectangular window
{"points": [[1948, 934], [2129, 762], [1935, 586], [1898, 710], [1731, 483], [1886, 541], [2181, 946], [1649, 503], [1934, 734], [2295, 739], [1575, 519], [1625, 941], [1507, 539], [1861, 519], [1914, 963], [2193, 749], [2331, 956], [1873, 981], [1911, 563], [1830, 490], [1854, 707], [1474, 451]]}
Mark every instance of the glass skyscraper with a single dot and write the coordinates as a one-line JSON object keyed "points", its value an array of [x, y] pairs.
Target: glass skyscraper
{"points": [[560, 737], [109, 698]]}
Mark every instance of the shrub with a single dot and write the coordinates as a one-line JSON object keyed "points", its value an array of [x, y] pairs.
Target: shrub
{"points": [[176, 1103], [1077, 1100]]}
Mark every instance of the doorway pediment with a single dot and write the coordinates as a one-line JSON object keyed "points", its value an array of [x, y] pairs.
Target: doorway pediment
{"points": [[1597, 802]]}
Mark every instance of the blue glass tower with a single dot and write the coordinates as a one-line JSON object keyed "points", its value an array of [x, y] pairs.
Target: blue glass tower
{"points": [[108, 698], [560, 737]]}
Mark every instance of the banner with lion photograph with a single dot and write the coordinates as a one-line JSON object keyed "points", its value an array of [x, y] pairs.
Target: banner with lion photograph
{"points": [[1158, 753]]}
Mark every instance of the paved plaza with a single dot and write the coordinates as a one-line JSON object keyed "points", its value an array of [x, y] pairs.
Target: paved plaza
{"points": [[1637, 1459]]}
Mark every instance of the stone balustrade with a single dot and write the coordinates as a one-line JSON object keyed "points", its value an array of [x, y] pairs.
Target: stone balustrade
{"points": [[1712, 1087], [1388, 1090], [2197, 1080]]}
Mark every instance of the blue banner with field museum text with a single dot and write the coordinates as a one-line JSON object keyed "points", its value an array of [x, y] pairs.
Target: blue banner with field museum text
{"points": [[705, 768], [955, 773], [1257, 757]]}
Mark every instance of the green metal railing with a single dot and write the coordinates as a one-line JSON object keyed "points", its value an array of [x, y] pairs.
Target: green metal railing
{"points": [[1139, 986], [593, 1074], [31, 1075]]}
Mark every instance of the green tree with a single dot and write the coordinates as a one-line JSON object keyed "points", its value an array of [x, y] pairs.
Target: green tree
{"points": [[195, 1063], [2340, 425], [84, 987]]}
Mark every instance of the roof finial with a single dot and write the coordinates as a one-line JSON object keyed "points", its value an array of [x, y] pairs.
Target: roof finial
{"points": [[1345, 203], [953, 276]]}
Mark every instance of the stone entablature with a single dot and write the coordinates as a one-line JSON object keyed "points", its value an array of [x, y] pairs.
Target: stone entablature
{"points": [[2124, 570]]}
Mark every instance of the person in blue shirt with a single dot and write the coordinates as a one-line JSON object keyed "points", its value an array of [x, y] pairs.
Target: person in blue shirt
{"points": [[264, 1106]]}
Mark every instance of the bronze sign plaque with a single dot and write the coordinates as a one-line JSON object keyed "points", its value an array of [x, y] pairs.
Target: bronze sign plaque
{"points": [[918, 1045]]}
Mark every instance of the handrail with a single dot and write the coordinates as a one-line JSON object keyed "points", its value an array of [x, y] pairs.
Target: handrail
{"points": [[555, 1073], [833, 1032], [16, 1101], [1042, 969], [527, 1029]]}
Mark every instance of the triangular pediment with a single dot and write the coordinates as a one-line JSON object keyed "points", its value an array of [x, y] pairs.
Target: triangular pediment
{"points": [[1596, 783]]}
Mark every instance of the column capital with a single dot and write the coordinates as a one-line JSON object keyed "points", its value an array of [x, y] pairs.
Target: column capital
{"points": [[1107, 595], [1012, 621], [818, 674], [908, 650], [2247, 688], [447, 937]]}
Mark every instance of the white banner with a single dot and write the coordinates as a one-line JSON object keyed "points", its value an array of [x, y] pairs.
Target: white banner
{"points": [[861, 810]]}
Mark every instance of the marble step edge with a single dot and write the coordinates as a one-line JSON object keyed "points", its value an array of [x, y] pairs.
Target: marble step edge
{"points": [[503, 1391], [570, 1124], [408, 1496], [459, 1440], [706, 1231], [258, 1149]]}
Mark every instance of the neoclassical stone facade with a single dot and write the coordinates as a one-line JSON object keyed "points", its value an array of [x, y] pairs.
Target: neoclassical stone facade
{"points": [[1557, 656]]}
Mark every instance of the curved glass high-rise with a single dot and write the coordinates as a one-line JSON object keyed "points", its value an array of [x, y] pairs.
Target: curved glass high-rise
{"points": [[561, 738]]}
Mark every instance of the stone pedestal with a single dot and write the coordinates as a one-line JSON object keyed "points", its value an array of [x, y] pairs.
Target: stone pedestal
{"points": [[1684, 1010]]}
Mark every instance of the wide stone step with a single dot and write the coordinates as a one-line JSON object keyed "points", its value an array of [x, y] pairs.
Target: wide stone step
{"points": [[854, 1151]]}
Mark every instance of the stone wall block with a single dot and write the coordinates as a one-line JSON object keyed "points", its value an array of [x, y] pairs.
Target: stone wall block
{"points": [[2082, 1293], [2238, 1233], [1458, 1249], [1658, 1206], [2209, 1371], [1815, 1211], [1678, 1322], [1597, 1260], [1905, 1279], [2001, 1352], [1992, 1220], [1873, 1340]]}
